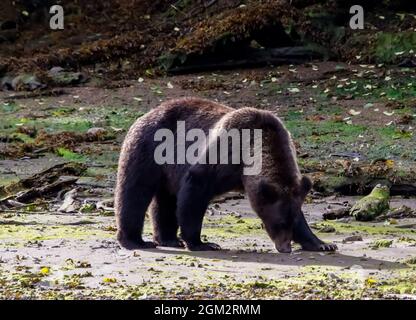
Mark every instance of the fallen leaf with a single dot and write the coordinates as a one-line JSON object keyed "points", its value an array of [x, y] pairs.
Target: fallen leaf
{"points": [[370, 281], [293, 90], [354, 112], [109, 280], [44, 271]]}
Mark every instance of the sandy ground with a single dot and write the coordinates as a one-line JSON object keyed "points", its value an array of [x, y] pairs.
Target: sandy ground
{"points": [[76, 256]]}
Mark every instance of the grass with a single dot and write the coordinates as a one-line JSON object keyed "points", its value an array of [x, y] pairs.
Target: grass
{"points": [[389, 45], [70, 156], [324, 131]]}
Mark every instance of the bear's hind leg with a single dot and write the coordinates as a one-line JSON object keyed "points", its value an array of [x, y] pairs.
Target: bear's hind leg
{"points": [[131, 205], [165, 223], [303, 235]]}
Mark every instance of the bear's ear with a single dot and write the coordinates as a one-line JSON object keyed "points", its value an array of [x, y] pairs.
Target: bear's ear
{"points": [[267, 192], [305, 186]]}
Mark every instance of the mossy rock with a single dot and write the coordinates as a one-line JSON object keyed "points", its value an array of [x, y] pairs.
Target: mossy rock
{"points": [[373, 205], [382, 243]]}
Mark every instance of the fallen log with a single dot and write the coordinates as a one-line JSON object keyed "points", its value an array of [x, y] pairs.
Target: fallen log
{"points": [[249, 58], [43, 178], [337, 213], [359, 178], [44, 191]]}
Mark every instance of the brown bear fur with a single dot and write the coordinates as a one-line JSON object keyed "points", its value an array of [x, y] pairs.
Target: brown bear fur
{"points": [[178, 194]]}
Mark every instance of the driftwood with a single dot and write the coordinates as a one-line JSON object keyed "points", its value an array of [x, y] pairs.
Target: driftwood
{"points": [[337, 213], [46, 183], [398, 213], [43, 178], [50, 189], [359, 178]]}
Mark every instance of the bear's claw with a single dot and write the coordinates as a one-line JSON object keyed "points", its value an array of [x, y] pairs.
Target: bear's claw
{"points": [[328, 247], [322, 246]]}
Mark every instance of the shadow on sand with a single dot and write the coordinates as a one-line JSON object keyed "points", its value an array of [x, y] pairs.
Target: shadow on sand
{"points": [[296, 258]]}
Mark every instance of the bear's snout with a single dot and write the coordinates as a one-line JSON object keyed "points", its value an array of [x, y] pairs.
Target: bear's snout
{"points": [[284, 247]]}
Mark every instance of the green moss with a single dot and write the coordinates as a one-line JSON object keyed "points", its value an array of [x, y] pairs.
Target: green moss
{"points": [[372, 229], [382, 243], [316, 132], [69, 155], [231, 227], [389, 45], [403, 283], [9, 107], [121, 117], [390, 133], [63, 111], [45, 232], [373, 205]]}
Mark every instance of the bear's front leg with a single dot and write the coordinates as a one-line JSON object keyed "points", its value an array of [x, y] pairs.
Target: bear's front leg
{"points": [[303, 235], [193, 199]]}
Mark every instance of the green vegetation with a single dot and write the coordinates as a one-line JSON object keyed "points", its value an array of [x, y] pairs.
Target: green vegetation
{"points": [[372, 205], [390, 46], [69, 155]]}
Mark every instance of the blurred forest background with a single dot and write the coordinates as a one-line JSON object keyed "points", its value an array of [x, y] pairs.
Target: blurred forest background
{"points": [[153, 36]]}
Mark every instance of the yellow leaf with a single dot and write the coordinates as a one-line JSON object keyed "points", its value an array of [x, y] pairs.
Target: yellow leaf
{"points": [[109, 280], [45, 271], [390, 163], [370, 281]]}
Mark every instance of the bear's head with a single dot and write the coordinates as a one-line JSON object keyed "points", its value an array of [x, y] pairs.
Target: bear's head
{"points": [[280, 208]]}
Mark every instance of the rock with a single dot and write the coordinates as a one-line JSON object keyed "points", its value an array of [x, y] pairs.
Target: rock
{"points": [[383, 243], [373, 205], [6, 83], [352, 239], [70, 203], [322, 227], [64, 78], [97, 132], [407, 63], [327, 229], [401, 212], [106, 205], [24, 81], [336, 213], [333, 276], [55, 70]]}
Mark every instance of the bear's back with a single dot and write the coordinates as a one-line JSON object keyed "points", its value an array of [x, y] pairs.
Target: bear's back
{"points": [[195, 112]]}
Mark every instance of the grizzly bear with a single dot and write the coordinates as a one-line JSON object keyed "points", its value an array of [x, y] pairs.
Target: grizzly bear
{"points": [[178, 194]]}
